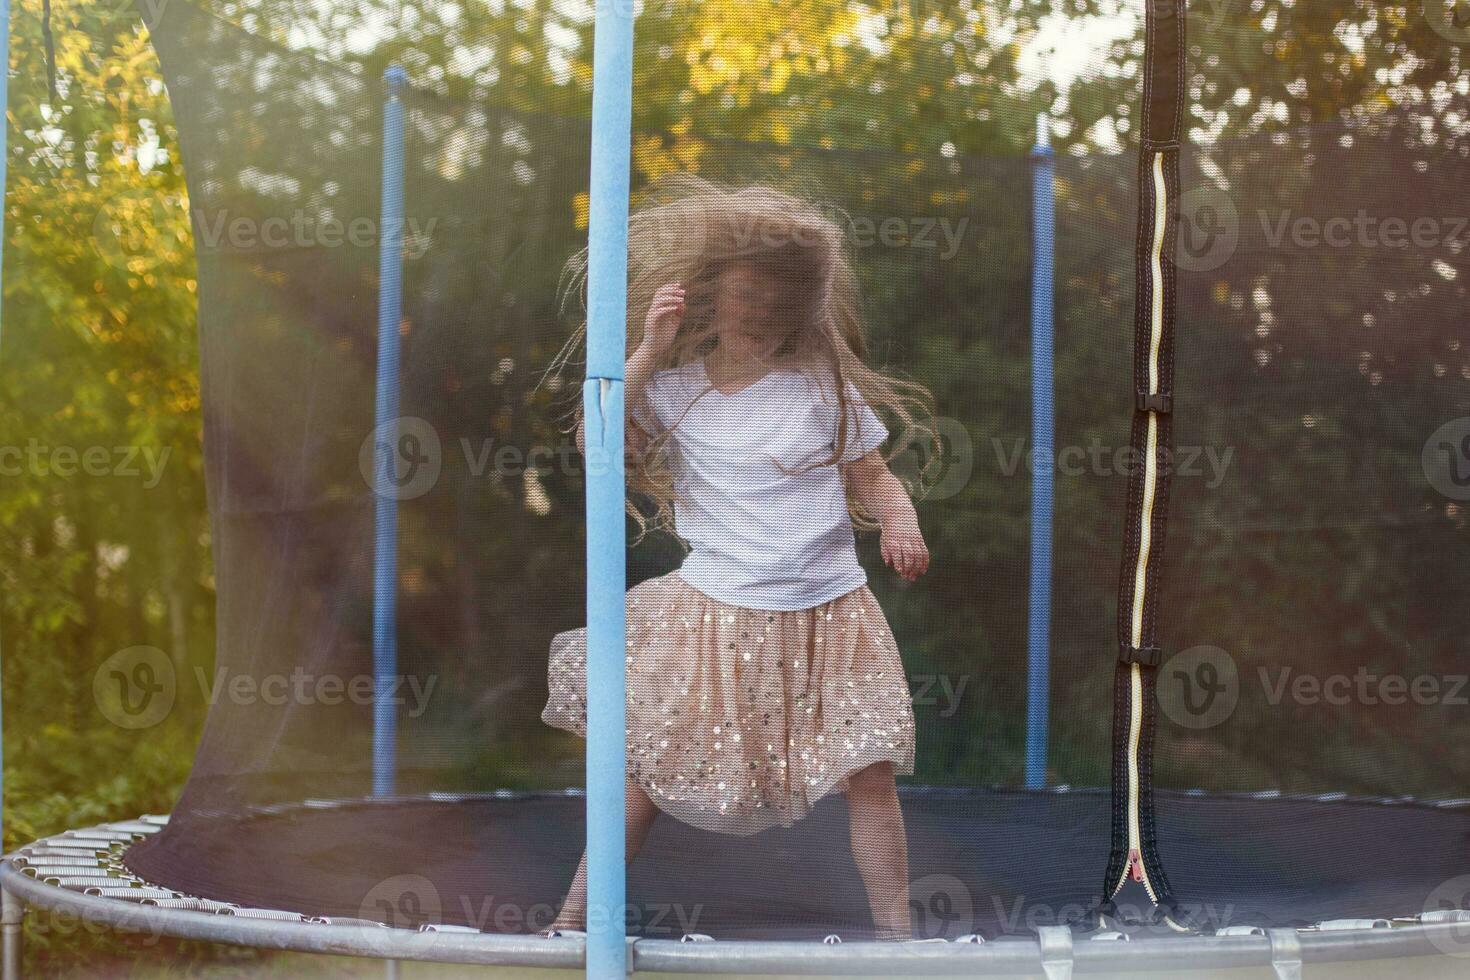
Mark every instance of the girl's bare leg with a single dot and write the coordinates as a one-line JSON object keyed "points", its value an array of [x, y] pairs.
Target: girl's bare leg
{"points": [[880, 847], [638, 814]]}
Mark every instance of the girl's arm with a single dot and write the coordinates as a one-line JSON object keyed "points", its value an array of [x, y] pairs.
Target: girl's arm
{"points": [[881, 495]]}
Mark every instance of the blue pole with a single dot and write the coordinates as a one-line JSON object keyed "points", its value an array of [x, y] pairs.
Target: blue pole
{"points": [[607, 341], [1043, 439], [385, 427]]}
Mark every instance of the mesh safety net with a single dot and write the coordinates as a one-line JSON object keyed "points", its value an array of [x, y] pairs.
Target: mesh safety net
{"points": [[1310, 703]]}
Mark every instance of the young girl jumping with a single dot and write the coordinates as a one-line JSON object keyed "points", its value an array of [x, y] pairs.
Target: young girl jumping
{"points": [[762, 674]]}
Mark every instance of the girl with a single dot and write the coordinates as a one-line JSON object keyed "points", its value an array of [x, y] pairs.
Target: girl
{"points": [[762, 674]]}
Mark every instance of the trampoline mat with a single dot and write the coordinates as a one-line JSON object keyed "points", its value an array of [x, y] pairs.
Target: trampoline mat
{"points": [[995, 862]]}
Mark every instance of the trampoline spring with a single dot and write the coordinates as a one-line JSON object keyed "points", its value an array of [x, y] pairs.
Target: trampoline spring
{"points": [[336, 920], [1343, 925], [191, 905], [696, 937], [157, 820], [447, 928], [1110, 936], [1446, 915], [1240, 931], [133, 828], [128, 894], [972, 939], [90, 853], [275, 914], [46, 863], [103, 839], [73, 882]]}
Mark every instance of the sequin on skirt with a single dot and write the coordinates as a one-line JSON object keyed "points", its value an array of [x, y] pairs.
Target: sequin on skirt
{"points": [[742, 719]]}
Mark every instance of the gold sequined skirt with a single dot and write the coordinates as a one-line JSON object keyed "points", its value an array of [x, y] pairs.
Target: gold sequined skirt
{"points": [[742, 719]]}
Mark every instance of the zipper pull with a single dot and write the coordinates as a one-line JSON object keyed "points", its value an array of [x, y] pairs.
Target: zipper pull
{"points": [[1135, 865]]}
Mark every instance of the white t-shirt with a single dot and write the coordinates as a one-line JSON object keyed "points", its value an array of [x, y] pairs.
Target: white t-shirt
{"points": [[767, 523]]}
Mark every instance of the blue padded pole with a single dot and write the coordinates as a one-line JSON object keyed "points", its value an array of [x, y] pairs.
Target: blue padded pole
{"points": [[385, 427], [1043, 440], [607, 304]]}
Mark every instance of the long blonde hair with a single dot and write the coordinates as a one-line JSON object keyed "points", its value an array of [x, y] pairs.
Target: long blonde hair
{"points": [[689, 230]]}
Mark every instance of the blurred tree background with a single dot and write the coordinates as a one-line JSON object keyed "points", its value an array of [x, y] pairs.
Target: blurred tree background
{"points": [[1319, 369]]}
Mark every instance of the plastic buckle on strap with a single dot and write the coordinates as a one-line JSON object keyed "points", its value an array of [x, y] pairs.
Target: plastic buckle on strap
{"points": [[1146, 656], [1149, 401]]}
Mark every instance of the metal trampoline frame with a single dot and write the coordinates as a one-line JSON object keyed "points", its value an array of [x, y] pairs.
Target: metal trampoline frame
{"points": [[52, 874]]}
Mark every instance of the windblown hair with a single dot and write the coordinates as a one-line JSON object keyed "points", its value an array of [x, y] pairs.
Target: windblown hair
{"points": [[691, 231]]}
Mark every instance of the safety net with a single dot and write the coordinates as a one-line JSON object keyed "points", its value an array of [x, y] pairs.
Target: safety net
{"points": [[1190, 461]]}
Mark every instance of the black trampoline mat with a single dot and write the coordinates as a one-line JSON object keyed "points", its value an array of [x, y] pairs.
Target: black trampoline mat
{"points": [[995, 862]]}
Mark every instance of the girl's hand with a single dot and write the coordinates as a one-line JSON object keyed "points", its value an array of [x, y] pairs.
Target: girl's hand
{"points": [[665, 314], [903, 548]]}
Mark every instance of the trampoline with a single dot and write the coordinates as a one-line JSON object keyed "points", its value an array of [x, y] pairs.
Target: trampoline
{"points": [[1215, 297]]}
